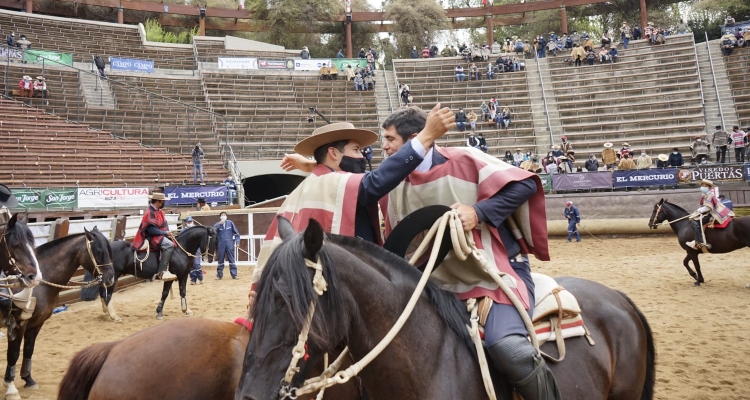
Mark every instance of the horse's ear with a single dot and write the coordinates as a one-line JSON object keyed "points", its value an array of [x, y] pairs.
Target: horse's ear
{"points": [[313, 239], [86, 231], [96, 229], [285, 228], [12, 222]]}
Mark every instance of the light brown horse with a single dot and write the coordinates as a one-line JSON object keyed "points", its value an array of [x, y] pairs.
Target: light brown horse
{"points": [[184, 359]]}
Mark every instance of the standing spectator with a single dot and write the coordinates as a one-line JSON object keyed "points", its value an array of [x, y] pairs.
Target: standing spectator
{"points": [[662, 161], [568, 152], [197, 156], [371, 60], [361, 53], [681, 27], [675, 159], [699, 150], [231, 186], [11, 40], [426, 52], [574, 218], [305, 54], [644, 161], [518, 158], [482, 142], [637, 35], [227, 237], [578, 54], [40, 87], [609, 156], [472, 117], [485, 109], [461, 120], [349, 73], [25, 86], [592, 164], [626, 163], [414, 52], [433, 51], [196, 272], [460, 73], [367, 153], [405, 95], [719, 141], [649, 32], [359, 83], [738, 142], [625, 35], [99, 65], [340, 54]]}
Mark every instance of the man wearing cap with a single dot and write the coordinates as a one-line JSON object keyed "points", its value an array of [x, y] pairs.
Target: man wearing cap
{"points": [[738, 142], [574, 217], [699, 150], [609, 156], [713, 207], [154, 229], [196, 272], [719, 140]]}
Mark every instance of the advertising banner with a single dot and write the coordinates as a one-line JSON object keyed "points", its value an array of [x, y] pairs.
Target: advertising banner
{"points": [[7, 52], [746, 167], [645, 177], [342, 63], [112, 197], [546, 181], [238, 63], [188, 195], [310, 65], [44, 199], [717, 172], [37, 56], [32, 199], [127, 64], [582, 181], [275, 64]]}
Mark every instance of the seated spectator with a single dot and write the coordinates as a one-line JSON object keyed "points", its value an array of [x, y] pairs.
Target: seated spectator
{"points": [[675, 159], [361, 53], [446, 52], [575, 38], [472, 141], [40, 87], [506, 117], [508, 157], [644, 161], [305, 54], [727, 42], [11, 40], [649, 31], [485, 110], [433, 51], [578, 54], [324, 72], [699, 150], [626, 163], [426, 52], [659, 37], [231, 188], [461, 120], [474, 71], [587, 44], [592, 164], [25, 86], [534, 166], [493, 108], [498, 120], [662, 161], [552, 168], [518, 158], [590, 56], [349, 73], [609, 157], [613, 53], [359, 83], [729, 21], [557, 154], [369, 82], [603, 55], [472, 117], [482, 142], [414, 52], [518, 64], [606, 39], [460, 73], [454, 51], [681, 27], [334, 72], [625, 150], [518, 47]]}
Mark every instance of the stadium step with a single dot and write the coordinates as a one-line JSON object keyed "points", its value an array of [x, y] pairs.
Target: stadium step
{"points": [[96, 92], [541, 125], [711, 105]]}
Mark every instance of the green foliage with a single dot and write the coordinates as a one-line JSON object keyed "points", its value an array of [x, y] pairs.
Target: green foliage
{"points": [[707, 16], [156, 33], [417, 22], [283, 17], [362, 35]]}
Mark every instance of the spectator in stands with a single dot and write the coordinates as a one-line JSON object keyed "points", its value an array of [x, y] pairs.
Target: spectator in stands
{"points": [[578, 54], [405, 94], [474, 71], [613, 53], [490, 70], [575, 38], [626, 150], [508, 157], [369, 81], [231, 186], [472, 141], [40, 87], [482, 142], [485, 110], [454, 51], [472, 117], [662, 161], [340, 54], [659, 37], [552, 168], [727, 42], [637, 34], [367, 153], [567, 148], [720, 140], [518, 64], [729, 21], [644, 161], [305, 54], [333, 72], [11, 40], [426, 52], [461, 120], [518, 158], [699, 150], [325, 72], [681, 27], [592, 164], [506, 115], [99, 65], [370, 60], [675, 159], [737, 137], [433, 51], [446, 52], [202, 206], [414, 52], [362, 54], [626, 163], [557, 154], [359, 83], [603, 54], [493, 108], [609, 157], [606, 39], [23, 43], [349, 73], [590, 56], [460, 76], [197, 156], [518, 47], [625, 35], [588, 44], [649, 31], [25, 86]]}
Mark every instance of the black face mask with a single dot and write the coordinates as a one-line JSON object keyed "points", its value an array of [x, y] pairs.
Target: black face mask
{"points": [[353, 165]]}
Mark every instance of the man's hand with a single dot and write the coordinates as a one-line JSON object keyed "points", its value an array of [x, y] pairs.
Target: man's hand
{"points": [[439, 121], [296, 161], [467, 215]]}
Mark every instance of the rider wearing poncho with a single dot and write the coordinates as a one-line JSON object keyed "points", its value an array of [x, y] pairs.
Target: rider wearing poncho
{"points": [[711, 207], [155, 229], [503, 207]]}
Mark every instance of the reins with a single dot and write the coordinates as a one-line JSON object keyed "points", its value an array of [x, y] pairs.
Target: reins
{"points": [[83, 285], [665, 222]]}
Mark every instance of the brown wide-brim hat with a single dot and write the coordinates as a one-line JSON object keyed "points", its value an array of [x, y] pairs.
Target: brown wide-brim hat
{"points": [[7, 199], [333, 133], [157, 196], [663, 157]]}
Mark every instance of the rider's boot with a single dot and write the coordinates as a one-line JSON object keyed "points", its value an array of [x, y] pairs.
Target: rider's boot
{"points": [[695, 244], [516, 359], [163, 272]]}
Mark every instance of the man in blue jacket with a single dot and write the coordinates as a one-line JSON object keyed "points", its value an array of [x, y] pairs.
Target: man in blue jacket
{"points": [[228, 237], [574, 217]]}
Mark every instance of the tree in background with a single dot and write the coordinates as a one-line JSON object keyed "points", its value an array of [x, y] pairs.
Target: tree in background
{"points": [[707, 16], [284, 17], [416, 23], [156, 33], [362, 35]]}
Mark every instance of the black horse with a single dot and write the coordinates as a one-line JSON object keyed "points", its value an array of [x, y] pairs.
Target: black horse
{"points": [[17, 256], [735, 236], [58, 260], [189, 240], [432, 356]]}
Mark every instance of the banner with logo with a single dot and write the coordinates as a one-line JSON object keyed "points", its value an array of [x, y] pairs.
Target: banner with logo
{"points": [[645, 177], [746, 167], [275, 64], [112, 197], [45, 199], [582, 181], [188, 195], [310, 64], [342, 63], [717, 172], [127, 64], [8, 52], [238, 63], [546, 181], [37, 56], [60, 198], [32, 199]]}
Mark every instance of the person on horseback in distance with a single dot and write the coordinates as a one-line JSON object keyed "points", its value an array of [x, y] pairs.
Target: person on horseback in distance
{"points": [[711, 207], [154, 229]]}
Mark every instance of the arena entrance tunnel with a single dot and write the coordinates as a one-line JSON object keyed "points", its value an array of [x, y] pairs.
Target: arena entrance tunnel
{"points": [[264, 187]]}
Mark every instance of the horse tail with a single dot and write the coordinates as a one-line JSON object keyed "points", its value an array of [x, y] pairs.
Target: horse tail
{"points": [[89, 293], [83, 370], [648, 385]]}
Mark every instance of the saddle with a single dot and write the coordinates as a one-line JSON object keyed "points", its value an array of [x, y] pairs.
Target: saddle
{"points": [[16, 308], [713, 225]]}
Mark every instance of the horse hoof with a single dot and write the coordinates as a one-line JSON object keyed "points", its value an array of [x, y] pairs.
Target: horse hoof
{"points": [[747, 286], [189, 312], [160, 316], [32, 387], [696, 284], [13, 396], [118, 320]]}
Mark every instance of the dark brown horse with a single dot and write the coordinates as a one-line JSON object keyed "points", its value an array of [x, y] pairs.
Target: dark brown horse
{"points": [[432, 356], [58, 260], [17, 256], [184, 359], [734, 237]]}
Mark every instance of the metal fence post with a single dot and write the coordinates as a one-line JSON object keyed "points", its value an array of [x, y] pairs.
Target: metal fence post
{"points": [[7, 68], [78, 104], [151, 101], [188, 128], [114, 124]]}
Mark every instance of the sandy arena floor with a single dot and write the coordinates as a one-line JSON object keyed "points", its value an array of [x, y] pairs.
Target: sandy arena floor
{"points": [[701, 333]]}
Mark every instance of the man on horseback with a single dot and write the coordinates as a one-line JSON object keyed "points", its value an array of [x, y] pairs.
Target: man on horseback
{"points": [[711, 207], [154, 232]]}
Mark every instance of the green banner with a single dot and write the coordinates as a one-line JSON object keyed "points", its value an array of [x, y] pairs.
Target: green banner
{"points": [[44, 199], [546, 182], [30, 198], [36, 56], [342, 63]]}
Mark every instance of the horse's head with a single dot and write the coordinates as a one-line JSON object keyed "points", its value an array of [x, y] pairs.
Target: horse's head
{"points": [[98, 257], [212, 236], [199, 237], [657, 215], [282, 309], [17, 255]]}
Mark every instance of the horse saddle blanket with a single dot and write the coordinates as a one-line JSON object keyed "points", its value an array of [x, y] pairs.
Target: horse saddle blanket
{"points": [[713, 225], [22, 304]]}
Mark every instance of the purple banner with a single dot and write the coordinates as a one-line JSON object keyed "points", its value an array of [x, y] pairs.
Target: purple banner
{"points": [[582, 181], [188, 195]]}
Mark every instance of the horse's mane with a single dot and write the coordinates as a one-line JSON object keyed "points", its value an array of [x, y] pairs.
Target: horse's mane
{"points": [[20, 234], [57, 242], [286, 272], [192, 228], [676, 206]]}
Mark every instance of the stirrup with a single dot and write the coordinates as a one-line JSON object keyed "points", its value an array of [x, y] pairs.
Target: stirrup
{"points": [[166, 276]]}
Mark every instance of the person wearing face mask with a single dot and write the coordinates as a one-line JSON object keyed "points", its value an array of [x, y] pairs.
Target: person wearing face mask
{"points": [[231, 188], [711, 207], [196, 272], [227, 238], [675, 159], [644, 161], [154, 232]]}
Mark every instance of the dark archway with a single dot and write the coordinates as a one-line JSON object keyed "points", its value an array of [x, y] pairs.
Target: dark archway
{"points": [[263, 187]]}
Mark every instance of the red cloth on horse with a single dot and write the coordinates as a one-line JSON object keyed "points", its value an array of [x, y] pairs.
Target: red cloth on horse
{"points": [[248, 324], [155, 217]]}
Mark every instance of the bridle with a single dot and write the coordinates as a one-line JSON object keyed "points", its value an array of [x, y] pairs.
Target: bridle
{"points": [[97, 270], [652, 222], [207, 253], [98, 276], [11, 260]]}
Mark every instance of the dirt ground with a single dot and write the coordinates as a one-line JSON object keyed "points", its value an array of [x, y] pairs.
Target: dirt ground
{"points": [[701, 333]]}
